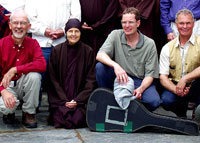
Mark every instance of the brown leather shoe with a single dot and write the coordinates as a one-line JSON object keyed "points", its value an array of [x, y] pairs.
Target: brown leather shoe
{"points": [[9, 119], [29, 120]]}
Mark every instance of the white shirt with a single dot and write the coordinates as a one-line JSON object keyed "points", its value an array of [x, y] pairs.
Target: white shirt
{"points": [[13, 5], [164, 56], [51, 14]]}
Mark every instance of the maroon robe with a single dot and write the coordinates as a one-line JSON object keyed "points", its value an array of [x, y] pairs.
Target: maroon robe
{"points": [[101, 15], [71, 75]]}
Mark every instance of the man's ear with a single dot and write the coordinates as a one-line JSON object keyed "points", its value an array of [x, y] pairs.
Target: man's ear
{"points": [[176, 22], [29, 27], [138, 23], [9, 24]]}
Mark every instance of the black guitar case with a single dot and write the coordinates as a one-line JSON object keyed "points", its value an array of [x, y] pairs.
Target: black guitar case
{"points": [[104, 114]]}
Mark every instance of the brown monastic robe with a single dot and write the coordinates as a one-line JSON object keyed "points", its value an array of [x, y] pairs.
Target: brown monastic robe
{"points": [[83, 83]]}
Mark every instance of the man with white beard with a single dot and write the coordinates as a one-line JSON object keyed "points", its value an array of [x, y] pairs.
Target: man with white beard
{"points": [[21, 60]]}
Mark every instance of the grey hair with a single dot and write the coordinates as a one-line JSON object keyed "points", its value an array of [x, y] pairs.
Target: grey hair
{"points": [[19, 10], [185, 12]]}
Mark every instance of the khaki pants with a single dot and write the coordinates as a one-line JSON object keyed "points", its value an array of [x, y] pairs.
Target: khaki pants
{"points": [[26, 89]]}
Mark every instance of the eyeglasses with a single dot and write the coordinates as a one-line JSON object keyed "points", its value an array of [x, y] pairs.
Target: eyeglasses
{"points": [[128, 22], [23, 23]]}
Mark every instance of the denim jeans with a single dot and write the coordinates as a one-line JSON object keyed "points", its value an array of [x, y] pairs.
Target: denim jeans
{"points": [[46, 51], [105, 77], [177, 104]]}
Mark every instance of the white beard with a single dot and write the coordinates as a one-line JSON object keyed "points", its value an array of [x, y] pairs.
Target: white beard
{"points": [[18, 35]]}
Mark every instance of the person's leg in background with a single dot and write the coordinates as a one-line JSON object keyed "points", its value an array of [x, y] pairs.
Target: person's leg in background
{"points": [[46, 51]]}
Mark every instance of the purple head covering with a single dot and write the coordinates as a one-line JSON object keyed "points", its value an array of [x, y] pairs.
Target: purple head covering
{"points": [[73, 23]]}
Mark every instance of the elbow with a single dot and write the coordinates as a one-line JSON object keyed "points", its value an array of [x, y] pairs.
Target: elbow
{"points": [[162, 79], [43, 67], [101, 56], [98, 56]]}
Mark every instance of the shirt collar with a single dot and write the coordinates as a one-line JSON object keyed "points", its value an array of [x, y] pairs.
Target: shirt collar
{"points": [[140, 42], [14, 43], [191, 40]]}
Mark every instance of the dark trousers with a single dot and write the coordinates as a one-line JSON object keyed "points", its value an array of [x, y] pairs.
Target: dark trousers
{"points": [[177, 104], [46, 53], [105, 77]]}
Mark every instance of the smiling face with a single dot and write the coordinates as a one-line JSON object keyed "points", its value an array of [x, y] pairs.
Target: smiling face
{"points": [[73, 35], [185, 24], [19, 25], [130, 24]]}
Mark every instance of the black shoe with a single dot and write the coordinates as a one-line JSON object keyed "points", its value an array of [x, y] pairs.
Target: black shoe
{"points": [[29, 120], [9, 119], [37, 110]]}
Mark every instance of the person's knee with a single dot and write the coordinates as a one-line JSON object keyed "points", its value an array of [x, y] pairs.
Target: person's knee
{"points": [[100, 73], [153, 104], [167, 102], [34, 77], [99, 69], [151, 98]]}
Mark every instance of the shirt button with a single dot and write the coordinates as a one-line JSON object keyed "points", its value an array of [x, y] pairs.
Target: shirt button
{"points": [[17, 50], [18, 60], [129, 54], [13, 47]]}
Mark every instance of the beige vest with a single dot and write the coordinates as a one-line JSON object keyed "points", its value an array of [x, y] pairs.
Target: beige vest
{"points": [[192, 59]]}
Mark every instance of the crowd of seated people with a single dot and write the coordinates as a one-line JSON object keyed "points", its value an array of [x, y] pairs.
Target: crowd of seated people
{"points": [[77, 46]]}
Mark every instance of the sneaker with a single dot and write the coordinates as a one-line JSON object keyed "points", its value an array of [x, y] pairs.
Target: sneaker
{"points": [[9, 119], [29, 120]]}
